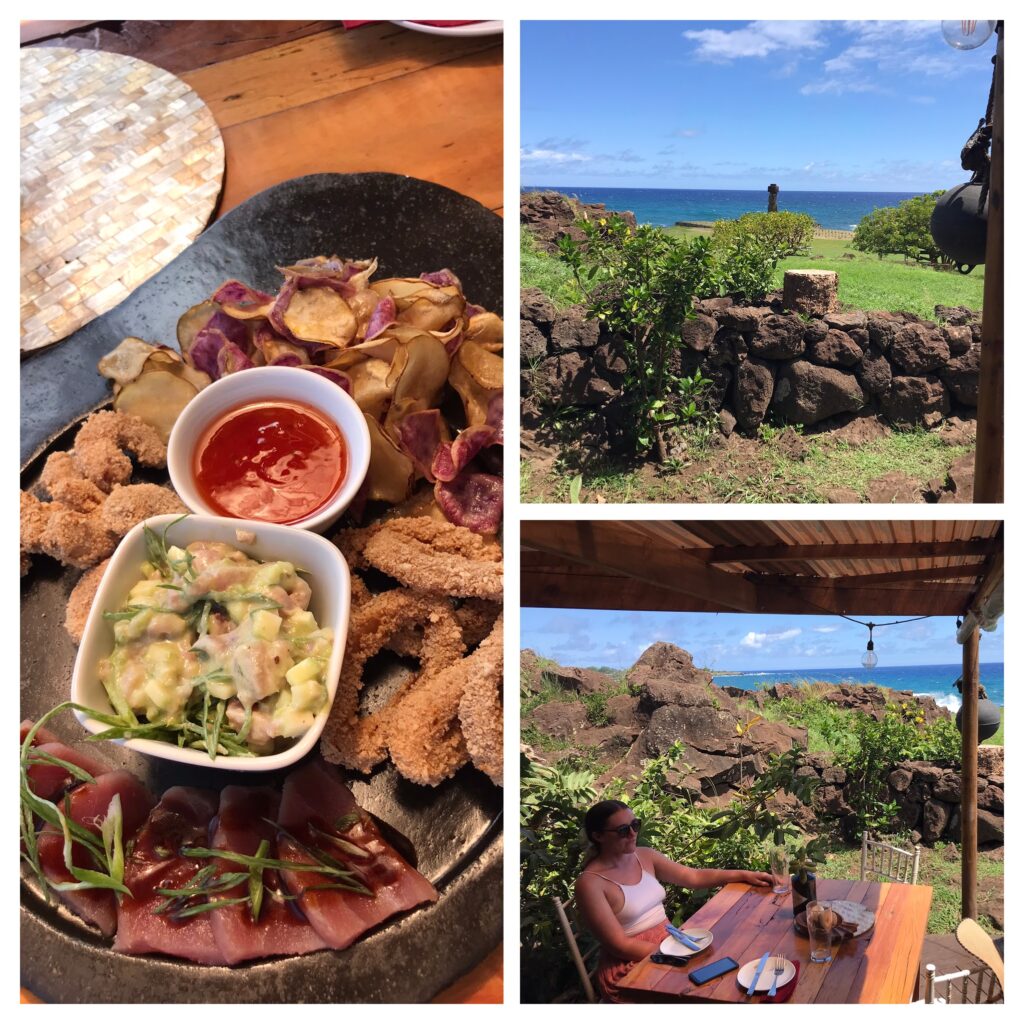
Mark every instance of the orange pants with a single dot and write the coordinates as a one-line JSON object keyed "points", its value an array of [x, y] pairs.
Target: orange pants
{"points": [[610, 970]]}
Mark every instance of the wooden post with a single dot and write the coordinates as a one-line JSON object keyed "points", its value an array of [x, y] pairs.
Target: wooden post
{"points": [[969, 780], [988, 465]]}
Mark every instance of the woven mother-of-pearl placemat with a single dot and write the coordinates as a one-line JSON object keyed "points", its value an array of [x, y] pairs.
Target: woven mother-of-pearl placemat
{"points": [[121, 167]]}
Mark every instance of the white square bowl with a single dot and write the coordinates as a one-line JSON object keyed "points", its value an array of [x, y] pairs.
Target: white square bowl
{"points": [[326, 572]]}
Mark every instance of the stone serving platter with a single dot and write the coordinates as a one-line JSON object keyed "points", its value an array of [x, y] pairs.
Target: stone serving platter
{"points": [[455, 829]]}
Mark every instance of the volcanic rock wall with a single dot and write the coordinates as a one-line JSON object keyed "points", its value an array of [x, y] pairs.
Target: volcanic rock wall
{"points": [[762, 360]]}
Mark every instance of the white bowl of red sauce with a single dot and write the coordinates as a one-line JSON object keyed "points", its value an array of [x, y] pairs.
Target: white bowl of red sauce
{"points": [[275, 444]]}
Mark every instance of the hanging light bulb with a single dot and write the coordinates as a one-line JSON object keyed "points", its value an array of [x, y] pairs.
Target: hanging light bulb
{"points": [[967, 35], [870, 659]]}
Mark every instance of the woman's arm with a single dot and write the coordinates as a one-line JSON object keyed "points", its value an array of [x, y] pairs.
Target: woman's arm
{"points": [[666, 870], [604, 925]]}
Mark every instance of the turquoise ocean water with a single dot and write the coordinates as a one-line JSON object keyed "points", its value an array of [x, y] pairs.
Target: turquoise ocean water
{"points": [[662, 207], [931, 680]]}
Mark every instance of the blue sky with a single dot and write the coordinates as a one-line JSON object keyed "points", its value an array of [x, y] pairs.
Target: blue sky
{"points": [[741, 642], [811, 105]]}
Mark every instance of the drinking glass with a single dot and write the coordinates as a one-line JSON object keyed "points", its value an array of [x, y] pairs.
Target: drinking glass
{"points": [[820, 922], [780, 870]]}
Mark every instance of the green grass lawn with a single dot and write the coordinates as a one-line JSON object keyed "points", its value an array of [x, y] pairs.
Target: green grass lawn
{"points": [[540, 270], [867, 282], [771, 471]]}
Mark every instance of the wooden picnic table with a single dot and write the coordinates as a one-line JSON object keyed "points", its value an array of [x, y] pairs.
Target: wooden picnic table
{"points": [[880, 966]]}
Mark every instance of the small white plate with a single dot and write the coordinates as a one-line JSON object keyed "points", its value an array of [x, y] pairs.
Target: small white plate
{"points": [[746, 975], [476, 28], [673, 947]]}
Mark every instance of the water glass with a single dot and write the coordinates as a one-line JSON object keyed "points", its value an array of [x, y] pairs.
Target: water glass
{"points": [[779, 863], [820, 921]]}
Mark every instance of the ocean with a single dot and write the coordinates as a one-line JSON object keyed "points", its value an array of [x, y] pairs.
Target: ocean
{"points": [[925, 680], [662, 207]]}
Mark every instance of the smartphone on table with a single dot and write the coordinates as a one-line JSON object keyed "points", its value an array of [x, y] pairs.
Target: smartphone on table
{"points": [[711, 971]]}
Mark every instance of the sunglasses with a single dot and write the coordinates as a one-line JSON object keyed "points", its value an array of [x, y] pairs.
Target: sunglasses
{"points": [[623, 830]]}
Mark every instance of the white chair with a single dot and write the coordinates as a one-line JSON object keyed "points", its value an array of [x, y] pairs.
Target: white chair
{"points": [[978, 985], [584, 962], [885, 861]]}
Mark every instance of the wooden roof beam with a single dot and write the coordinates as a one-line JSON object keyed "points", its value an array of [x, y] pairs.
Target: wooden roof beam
{"points": [[945, 572], [601, 544], [836, 552]]}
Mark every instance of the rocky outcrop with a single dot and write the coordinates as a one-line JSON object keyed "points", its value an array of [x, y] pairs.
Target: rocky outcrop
{"points": [[551, 216]]}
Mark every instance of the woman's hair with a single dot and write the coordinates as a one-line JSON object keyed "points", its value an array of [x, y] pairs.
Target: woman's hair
{"points": [[598, 815]]}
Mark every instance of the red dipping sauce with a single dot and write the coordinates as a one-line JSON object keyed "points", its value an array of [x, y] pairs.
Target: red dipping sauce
{"points": [[275, 461]]}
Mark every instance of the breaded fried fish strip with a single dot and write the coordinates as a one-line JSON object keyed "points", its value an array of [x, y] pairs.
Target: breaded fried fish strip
{"points": [[437, 558], [480, 708], [358, 741]]}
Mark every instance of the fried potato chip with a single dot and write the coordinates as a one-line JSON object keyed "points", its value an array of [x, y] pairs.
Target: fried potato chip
{"points": [[157, 398], [391, 474], [320, 314]]}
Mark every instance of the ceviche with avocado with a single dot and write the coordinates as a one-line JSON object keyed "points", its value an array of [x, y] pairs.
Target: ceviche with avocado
{"points": [[215, 650]]}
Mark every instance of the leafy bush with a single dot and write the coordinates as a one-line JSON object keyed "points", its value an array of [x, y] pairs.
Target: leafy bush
{"points": [[902, 230], [597, 708], [640, 284], [788, 233]]}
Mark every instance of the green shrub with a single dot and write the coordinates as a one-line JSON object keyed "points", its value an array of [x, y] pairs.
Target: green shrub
{"points": [[788, 233], [903, 230], [597, 708]]}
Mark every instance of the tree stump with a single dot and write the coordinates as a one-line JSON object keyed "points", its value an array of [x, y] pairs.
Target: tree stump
{"points": [[814, 292]]}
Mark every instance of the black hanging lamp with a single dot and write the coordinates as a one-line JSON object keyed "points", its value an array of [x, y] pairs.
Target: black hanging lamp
{"points": [[988, 713], [869, 659], [959, 223]]}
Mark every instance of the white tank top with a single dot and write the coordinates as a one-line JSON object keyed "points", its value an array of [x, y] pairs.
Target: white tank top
{"points": [[643, 904]]}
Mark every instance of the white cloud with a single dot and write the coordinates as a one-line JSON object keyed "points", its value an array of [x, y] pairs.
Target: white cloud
{"points": [[759, 640], [551, 156], [758, 39], [686, 133], [825, 629]]}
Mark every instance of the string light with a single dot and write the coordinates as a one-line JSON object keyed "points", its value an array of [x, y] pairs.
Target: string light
{"points": [[870, 659], [967, 35]]}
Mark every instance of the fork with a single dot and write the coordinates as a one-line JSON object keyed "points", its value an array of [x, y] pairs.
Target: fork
{"points": [[778, 966]]}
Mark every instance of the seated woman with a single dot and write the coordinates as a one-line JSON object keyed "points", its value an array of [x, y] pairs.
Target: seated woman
{"points": [[620, 892]]}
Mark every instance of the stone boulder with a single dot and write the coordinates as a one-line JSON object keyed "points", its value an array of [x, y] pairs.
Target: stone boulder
{"points": [[854, 324], [581, 680], [918, 350], [698, 332], [962, 373], [559, 720], [778, 337], [624, 709], [752, 392], [916, 400], [571, 330], [836, 349], [745, 319], [814, 292], [882, 328], [807, 393], [533, 346], [874, 372], [530, 670], [535, 306], [667, 661], [959, 339]]}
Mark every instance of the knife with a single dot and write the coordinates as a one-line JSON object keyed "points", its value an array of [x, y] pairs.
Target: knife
{"points": [[681, 937], [757, 973]]}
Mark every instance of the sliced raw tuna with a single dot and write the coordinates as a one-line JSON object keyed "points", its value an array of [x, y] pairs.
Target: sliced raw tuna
{"points": [[180, 820], [50, 780], [43, 736], [245, 819], [315, 801], [88, 807]]}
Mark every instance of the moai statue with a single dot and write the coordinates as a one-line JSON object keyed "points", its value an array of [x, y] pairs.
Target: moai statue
{"points": [[773, 198]]}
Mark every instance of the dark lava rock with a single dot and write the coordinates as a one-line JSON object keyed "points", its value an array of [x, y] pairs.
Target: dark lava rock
{"points": [[807, 393], [536, 306], [874, 372], [533, 346], [752, 392], [918, 350], [961, 375], [916, 400], [698, 333], [836, 349], [778, 337], [571, 330]]}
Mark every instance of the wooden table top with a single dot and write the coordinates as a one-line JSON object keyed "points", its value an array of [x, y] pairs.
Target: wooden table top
{"points": [[880, 966], [304, 97]]}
